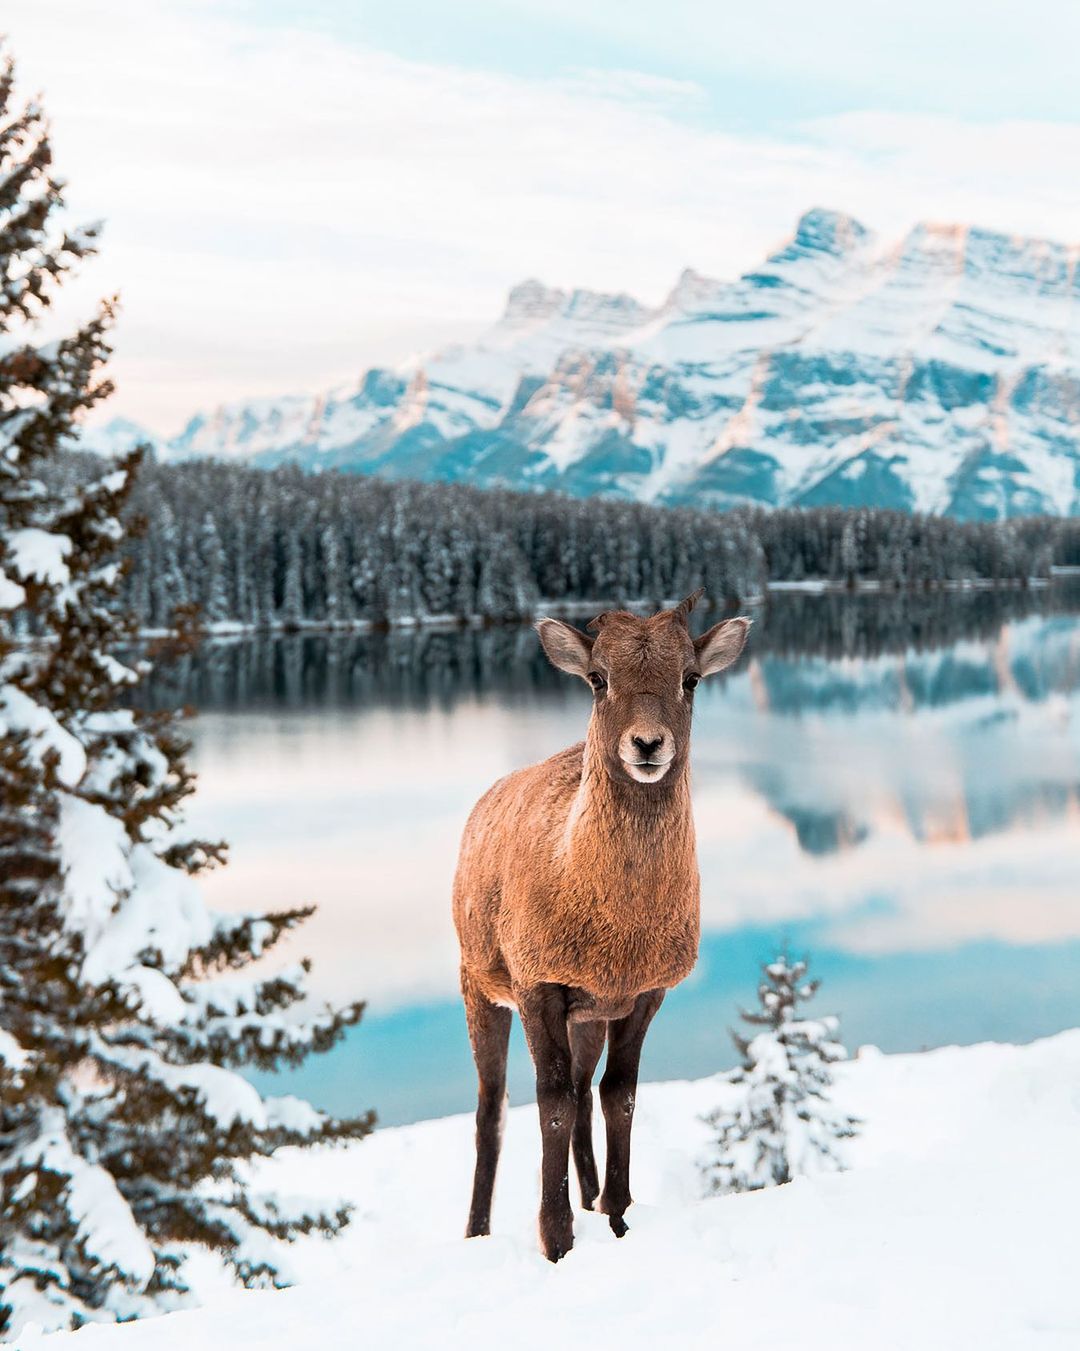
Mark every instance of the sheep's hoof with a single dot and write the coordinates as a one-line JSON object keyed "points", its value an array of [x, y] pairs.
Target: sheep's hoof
{"points": [[615, 1211], [556, 1240]]}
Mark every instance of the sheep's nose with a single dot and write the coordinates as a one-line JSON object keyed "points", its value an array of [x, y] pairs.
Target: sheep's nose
{"points": [[648, 748]]}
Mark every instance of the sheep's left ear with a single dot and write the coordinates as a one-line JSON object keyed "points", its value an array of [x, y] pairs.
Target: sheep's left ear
{"points": [[719, 646]]}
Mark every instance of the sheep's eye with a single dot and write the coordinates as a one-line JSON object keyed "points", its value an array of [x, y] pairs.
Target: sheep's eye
{"points": [[597, 681], [690, 680]]}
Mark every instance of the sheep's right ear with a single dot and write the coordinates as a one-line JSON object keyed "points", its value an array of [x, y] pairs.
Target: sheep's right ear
{"points": [[719, 646], [568, 648]]}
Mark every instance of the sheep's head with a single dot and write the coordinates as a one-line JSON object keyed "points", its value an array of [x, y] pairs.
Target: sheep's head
{"points": [[643, 673]]}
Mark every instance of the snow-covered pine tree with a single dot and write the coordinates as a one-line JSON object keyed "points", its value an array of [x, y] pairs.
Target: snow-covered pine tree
{"points": [[777, 1122], [216, 606], [125, 1009], [504, 589], [335, 590], [292, 602]]}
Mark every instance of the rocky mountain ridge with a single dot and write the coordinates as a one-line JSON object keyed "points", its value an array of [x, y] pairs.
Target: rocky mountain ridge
{"points": [[937, 373]]}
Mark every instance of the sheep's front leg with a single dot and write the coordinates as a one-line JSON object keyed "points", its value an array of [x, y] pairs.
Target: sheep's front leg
{"points": [[543, 1013], [618, 1094]]}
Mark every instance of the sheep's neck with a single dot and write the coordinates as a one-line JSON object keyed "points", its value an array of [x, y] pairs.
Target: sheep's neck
{"points": [[632, 838]]}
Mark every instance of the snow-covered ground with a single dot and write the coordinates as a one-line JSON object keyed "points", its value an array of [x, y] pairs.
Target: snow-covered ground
{"points": [[954, 1229]]}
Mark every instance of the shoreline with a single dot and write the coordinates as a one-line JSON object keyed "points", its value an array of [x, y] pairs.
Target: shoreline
{"points": [[564, 609]]}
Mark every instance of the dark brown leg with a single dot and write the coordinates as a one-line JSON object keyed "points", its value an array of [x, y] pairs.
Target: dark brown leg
{"points": [[543, 1013], [586, 1043], [489, 1032], [618, 1091]]}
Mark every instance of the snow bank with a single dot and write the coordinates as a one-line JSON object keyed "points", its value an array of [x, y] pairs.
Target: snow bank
{"points": [[954, 1229]]}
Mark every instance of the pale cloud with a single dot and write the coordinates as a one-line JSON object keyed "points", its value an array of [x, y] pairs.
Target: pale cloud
{"points": [[284, 209]]}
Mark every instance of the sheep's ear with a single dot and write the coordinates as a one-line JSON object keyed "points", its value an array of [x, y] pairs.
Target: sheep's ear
{"points": [[720, 646], [568, 648]]}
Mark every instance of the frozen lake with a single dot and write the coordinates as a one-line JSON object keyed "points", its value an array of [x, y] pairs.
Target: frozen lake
{"points": [[892, 786]]}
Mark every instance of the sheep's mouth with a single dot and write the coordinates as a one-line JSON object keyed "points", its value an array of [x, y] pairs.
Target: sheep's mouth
{"points": [[647, 771]]}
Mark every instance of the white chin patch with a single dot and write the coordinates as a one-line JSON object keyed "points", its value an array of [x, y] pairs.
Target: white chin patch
{"points": [[646, 773]]}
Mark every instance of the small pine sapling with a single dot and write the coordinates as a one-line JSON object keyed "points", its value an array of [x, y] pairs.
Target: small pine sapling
{"points": [[778, 1122]]}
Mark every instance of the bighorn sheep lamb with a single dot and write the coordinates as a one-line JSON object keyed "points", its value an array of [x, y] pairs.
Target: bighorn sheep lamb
{"points": [[576, 902]]}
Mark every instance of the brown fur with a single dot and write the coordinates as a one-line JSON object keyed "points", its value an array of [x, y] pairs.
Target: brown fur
{"points": [[576, 898], [607, 902]]}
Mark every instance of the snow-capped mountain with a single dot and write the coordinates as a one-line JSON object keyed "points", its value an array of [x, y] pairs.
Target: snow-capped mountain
{"points": [[939, 373]]}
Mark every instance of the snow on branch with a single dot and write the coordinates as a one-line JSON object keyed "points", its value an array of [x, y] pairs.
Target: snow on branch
{"points": [[37, 555], [21, 714], [106, 1230], [13, 1057]]}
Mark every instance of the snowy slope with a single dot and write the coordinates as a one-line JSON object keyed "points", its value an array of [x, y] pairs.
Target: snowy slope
{"points": [[939, 372], [954, 1229]]}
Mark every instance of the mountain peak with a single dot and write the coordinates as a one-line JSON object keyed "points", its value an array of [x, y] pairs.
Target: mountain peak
{"points": [[1043, 266], [117, 437], [616, 309], [820, 229], [531, 299], [693, 291], [935, 237]]}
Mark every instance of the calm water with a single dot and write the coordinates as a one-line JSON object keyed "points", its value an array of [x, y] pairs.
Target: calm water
{"points": [[891, 786]]}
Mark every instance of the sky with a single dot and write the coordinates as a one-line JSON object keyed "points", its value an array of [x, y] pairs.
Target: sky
{"points": [[294, 192]]}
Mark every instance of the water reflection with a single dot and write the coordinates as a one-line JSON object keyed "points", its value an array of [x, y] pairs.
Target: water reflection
{"points": [[433, 668], [906, 808]]}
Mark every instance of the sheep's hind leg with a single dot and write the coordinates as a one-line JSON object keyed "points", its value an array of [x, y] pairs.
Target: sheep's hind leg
{"points": [[489, 1033], [586, 1043]]}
